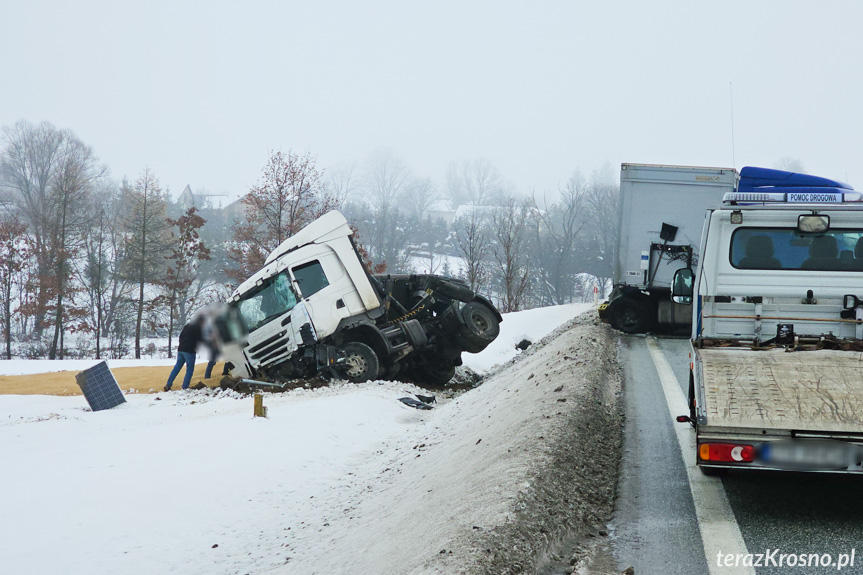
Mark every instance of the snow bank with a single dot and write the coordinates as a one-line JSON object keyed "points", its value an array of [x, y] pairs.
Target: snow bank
{"points": [[532, 325]]}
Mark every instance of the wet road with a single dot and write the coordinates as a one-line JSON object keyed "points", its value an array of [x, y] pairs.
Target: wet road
{"points": [[655, 529]]}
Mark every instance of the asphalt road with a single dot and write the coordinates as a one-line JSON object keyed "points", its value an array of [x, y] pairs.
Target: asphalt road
{"points": [[655, 529]]}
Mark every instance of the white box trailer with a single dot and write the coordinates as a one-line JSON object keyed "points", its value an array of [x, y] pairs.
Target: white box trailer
{"points": [[662, 211]]}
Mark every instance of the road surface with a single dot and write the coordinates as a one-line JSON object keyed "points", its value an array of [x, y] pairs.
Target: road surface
{"points": [[669, 517]]}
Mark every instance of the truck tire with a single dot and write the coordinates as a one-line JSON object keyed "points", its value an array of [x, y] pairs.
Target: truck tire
{"points": [[480, 327], [360, 363], [435, 373], [454, 291], [628, 316]]}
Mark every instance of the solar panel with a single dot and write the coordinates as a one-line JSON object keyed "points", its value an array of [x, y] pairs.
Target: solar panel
{"points": [[99, 387]]}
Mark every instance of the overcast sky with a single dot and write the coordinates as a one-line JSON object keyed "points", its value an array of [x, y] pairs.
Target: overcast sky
{"points": [[201, 91]]}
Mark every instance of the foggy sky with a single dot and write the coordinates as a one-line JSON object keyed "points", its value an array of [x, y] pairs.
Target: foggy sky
{"points": [[201, 91]]}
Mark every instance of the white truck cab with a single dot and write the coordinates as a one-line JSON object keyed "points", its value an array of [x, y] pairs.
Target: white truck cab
{"points": [[776, 380]]}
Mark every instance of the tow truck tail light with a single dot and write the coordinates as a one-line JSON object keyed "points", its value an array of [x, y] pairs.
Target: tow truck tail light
{"points": [[726, 452]]}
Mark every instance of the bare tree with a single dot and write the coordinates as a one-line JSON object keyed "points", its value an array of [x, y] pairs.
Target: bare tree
{"points": [[473, 245], [556, 230], [289, 195], [76, 174], [385, 180], [27, 170], [105, 274], [340, 183], [14, 253], [147, 240], [475, 181], [510, 252], [419, 195], [603, 211]]}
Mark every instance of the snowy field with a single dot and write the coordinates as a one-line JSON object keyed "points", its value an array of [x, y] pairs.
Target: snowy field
{"points": [[190, 482]]}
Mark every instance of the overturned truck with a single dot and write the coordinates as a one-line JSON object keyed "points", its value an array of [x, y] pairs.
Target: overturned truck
{"points": [[314, 309]]}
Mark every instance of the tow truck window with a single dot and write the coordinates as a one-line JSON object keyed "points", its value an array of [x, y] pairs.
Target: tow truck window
{"points": [[790, 249], [273, 299], [311, 278]]}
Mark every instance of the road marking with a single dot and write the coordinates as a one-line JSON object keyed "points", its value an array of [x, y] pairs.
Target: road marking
{"points": [[719, 530]]}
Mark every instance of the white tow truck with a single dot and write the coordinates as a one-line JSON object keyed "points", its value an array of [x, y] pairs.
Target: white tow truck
{"points": [[314, 308], [776, 376]]}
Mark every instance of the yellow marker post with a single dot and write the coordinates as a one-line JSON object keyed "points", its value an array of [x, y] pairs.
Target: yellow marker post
{"points": [[260, 410]]}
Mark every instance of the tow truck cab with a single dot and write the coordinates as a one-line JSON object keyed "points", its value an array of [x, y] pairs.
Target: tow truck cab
{"points": [[776, 381]]}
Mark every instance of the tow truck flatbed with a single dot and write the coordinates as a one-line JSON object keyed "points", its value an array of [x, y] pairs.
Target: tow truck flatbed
{"points": [[812, 391]]}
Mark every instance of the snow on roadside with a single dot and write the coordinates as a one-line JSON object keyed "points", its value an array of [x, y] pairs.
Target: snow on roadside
{"points": [[187, 482], [532, 324], [190, 482]]}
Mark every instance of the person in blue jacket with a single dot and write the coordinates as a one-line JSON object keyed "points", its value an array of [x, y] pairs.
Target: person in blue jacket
{"points": [[190, 337]]}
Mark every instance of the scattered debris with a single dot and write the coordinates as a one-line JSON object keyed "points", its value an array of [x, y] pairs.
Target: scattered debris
{"points": [[523, 345], [414, 403], [100, 387]]}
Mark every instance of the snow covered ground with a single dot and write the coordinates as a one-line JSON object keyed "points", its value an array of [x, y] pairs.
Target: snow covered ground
{"points": [[190, 482], [532, 325]]}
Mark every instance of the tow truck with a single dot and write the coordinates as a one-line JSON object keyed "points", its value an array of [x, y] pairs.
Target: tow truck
{"points": [[776, 378]]}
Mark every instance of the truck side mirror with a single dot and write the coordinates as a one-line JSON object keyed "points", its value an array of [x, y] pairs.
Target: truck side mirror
{"points": [[681, 286]]}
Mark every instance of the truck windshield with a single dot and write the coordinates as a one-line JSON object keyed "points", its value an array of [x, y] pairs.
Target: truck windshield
{"points": [[271, 300], [789, 249]]}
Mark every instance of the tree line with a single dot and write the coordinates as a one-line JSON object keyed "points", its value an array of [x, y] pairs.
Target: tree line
{"points": [[94, 267]]}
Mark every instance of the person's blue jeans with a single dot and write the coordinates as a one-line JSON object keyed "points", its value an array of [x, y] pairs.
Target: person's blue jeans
{"points": [[183, 357], [211, 363]]}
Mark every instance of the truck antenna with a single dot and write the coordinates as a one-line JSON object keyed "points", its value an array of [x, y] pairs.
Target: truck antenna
{"points": [[731, 101]]}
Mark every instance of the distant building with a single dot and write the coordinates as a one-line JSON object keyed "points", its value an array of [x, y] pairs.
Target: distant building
{"points": [[189, 199], [440, 210]]}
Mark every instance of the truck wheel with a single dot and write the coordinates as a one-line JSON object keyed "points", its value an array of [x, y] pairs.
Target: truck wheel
{"points": [[435, 373], [480, 329], [454, 291], [628, 316], [360, 363]]}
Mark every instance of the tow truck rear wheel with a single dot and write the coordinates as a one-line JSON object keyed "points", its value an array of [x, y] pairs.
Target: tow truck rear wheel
{"points": [[713, 471], [360, 363]]}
